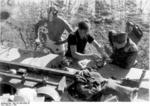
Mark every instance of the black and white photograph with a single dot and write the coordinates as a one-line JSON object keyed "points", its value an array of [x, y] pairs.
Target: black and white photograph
{"points": [[74, 51]]}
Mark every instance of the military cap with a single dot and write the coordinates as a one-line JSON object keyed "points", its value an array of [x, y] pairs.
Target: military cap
{"points": [[118, 37]]}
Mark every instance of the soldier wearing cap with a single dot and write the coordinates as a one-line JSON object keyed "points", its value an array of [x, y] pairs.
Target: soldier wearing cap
{"points": [[56, 27], [124, 49]]}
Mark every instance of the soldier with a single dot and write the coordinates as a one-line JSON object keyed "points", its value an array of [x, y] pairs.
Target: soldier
{"points": [[124, 49], [77, 43], [55, 26]]}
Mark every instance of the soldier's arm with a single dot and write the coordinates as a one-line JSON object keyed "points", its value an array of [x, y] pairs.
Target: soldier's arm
{"points": [[79, 56], [37, 26], [67, 26], [132, 53], [127, 62], [130, 60], [100, 49]]}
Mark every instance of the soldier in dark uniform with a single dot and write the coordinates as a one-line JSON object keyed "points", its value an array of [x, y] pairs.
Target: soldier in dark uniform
{"points": [[77, 43], [124, 49]]}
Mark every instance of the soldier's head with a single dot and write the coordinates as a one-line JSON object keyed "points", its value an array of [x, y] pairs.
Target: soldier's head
{"points": [[52, 12], [83, 28], [119, 39]]}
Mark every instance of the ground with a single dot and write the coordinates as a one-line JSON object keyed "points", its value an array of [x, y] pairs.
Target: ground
{"points": [[18, 30]]}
